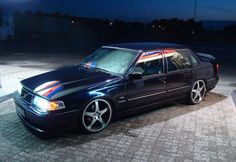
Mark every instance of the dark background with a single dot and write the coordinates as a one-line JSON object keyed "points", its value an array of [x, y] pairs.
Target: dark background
{"points": [[79, 27]]}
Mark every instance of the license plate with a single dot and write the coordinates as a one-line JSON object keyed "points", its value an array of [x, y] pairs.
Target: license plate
{"points": [[21, 111]]}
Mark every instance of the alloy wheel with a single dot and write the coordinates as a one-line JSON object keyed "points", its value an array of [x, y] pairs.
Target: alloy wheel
{"points": [[97, 115], [198, 91]]}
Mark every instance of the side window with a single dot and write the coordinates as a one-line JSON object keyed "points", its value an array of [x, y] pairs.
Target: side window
{"points": [[178, 60], [192, 58], [150, 63]]}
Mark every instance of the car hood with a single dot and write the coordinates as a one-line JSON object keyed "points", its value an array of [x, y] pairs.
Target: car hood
{"points": [[64, 81]]}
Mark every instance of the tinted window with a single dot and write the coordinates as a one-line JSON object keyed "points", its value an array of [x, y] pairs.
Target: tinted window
{"points": [[149, 64], [192, 58], [178, 60]]}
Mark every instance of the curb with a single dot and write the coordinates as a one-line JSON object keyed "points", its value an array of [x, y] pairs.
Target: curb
{"points": [[6, 97]]}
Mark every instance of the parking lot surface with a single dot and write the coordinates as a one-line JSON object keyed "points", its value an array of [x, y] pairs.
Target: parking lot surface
{"points": [[173, 132]]}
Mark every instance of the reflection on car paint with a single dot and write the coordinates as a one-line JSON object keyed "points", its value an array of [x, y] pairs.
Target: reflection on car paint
{"points": [[48, 89]]}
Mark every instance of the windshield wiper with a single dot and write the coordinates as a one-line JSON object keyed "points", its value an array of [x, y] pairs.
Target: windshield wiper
{"points": [[102, 70], [98, 69]]}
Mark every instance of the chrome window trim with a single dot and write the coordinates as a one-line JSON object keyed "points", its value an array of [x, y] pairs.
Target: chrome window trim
{"points": [[119, 48]]}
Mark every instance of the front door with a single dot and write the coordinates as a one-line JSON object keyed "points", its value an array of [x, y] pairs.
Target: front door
{"points": [[151, 88]]}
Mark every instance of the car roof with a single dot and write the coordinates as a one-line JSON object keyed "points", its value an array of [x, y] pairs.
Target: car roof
{"points": [[146, 46]]}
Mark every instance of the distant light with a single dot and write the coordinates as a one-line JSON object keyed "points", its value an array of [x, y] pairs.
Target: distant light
{"points": [[72, 21], [111, 23], [153, 26], [159, 26]]}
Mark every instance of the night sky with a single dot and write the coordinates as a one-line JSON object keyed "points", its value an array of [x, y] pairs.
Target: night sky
{"points": [[131, 10]]}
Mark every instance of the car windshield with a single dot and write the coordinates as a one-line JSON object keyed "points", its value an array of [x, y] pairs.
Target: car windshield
{"points": [[111, 60]]}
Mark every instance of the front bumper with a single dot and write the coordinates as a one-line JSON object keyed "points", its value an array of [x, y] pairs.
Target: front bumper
{"points": [[44, 123]]}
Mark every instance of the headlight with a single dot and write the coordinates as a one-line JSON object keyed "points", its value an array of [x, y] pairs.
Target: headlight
{"points": [[19, 88], [45, 105]]}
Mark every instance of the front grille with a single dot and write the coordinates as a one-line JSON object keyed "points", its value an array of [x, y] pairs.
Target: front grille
{"points": [[26, 95]]}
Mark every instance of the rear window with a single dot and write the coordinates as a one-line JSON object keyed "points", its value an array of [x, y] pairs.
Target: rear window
{"points": [[193, 58], [178, 60]]}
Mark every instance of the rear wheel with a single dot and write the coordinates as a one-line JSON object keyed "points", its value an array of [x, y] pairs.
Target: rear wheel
{"points": [[197, 92], [96, 115]]}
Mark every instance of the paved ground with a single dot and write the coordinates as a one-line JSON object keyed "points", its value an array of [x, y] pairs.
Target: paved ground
{"points": [[176, 132], [11, 76], [17, 66]]}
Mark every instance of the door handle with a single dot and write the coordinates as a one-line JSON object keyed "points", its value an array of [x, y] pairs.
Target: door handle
{"points": [[188, 73], [163, 79]]}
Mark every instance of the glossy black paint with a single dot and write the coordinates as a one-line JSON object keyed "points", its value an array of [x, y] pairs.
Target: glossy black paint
{"points": [[81, 85]]}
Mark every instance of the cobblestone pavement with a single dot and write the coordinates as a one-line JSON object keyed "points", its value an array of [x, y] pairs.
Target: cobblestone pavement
{"points": [[11, 76], [175, 132], [18, 66]]}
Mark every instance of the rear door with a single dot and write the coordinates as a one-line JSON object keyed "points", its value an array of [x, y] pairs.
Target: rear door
{"points": [[179, 73]]}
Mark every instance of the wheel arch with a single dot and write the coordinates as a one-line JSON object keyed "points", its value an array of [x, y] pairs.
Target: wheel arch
{"points": [[203, 79], [81, 118], [105, 97]]}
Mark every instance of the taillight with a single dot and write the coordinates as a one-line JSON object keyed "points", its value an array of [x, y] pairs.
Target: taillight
{"points": [[217, 67]]}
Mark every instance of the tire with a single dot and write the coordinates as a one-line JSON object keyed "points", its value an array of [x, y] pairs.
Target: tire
{"points": [[96, 116], [197, 92]]}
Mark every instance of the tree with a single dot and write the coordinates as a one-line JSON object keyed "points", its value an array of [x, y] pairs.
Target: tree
{"points": [[17, 13], [28, 13], [1, 11], [39, 13], [57, 14]]}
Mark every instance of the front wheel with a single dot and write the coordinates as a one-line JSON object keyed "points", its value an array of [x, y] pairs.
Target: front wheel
{"points": [[96, 115], [197, 92]]}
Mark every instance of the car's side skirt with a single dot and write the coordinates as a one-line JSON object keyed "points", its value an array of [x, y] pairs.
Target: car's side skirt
{"points": [[144, 107]]}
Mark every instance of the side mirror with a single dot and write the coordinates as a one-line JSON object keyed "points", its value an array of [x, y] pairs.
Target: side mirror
{"points": [[135, 75]]}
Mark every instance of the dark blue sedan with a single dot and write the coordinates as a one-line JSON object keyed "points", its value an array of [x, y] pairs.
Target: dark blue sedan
{"points": [[114, 80]]}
